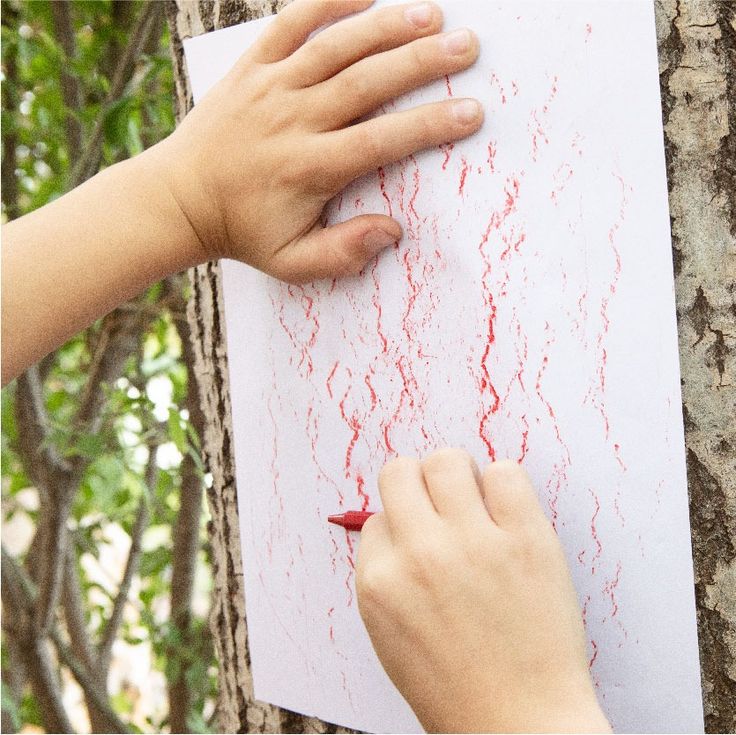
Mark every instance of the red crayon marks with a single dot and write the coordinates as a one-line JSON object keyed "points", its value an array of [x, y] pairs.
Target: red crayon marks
{"points": [[328, 382], [594, 647], [597, 392], [447, 85], [577, 143], [349, 558], [610, 590], [524, 437], [489, 397], [364, 497], [367, 381], [594, 532], [617, 453], [560, 178], [486, 384], [384, 193], [463, 175], [496, 82], [588, 32], [538, 122], [354, 424], [491, 156], [446, 148]]}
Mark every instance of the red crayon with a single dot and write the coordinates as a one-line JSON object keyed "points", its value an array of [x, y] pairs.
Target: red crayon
{"points": [[351, 520]]}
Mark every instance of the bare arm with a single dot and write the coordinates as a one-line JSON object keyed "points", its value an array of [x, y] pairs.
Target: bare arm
{"points": [[203, 193], [77, 258]]}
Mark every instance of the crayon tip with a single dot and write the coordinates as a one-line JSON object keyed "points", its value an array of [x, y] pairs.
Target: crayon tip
{"points": [[336, 519]]}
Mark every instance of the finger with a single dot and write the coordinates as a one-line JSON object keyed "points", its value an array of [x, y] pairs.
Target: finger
{"points": [[374, 535], [452, 483], [339, 250], [343, 44], [374, 551], [510, 496], [367, 146], [369, 83], [293, 24], [404, 496]]}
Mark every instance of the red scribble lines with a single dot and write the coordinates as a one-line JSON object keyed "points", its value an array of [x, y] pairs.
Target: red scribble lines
{"points": [[349, 558], [328, 382], [537, 123], [486, 384], [594, 646], [491, 160], [463, 175], [384, 193], [560, 469], [446, 148], [594, 532], [496, 82], [598, 395], [313, 435], [561, 178], [609, 590]]}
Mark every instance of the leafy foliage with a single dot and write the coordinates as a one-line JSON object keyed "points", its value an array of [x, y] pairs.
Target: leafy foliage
{"points": [[141, 449]]}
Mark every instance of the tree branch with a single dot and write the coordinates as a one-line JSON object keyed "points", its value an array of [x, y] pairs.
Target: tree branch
{"points": [[43, 463], [10, 103], [72, 603], [110, 631], [61, 14], [76, 626], [145, 24], [21, 589], [119, 338], [18, 605]]}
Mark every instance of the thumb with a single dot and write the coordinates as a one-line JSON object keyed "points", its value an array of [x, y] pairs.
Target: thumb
{"points": [[339, 250]]}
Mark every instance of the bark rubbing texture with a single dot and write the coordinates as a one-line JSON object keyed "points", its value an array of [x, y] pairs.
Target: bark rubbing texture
{"points": [[697, 55]]}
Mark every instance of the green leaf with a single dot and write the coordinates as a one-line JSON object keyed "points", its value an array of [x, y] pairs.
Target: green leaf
{"points": [[177, 434]]}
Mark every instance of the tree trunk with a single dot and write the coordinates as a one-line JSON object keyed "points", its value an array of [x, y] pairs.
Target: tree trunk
{"points": [[697, 49]]}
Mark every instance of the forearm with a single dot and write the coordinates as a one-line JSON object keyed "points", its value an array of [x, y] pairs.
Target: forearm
{"points": [[77, 258]]}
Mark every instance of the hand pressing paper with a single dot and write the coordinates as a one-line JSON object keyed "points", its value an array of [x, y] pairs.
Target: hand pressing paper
{"points": [[528, 314]]}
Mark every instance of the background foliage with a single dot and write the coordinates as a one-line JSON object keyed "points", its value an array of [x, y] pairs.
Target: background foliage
{"points": [[104, 569]]}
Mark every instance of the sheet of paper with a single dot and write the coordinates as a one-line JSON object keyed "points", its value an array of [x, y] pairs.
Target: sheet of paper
{"points": [[529, 313]]}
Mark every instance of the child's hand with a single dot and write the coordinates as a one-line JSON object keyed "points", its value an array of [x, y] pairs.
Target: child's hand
{"points": [[464, 590], [253, 165]]}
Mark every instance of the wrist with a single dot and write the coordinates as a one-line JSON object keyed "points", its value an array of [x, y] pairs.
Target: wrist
{"points": [[186, 243]]}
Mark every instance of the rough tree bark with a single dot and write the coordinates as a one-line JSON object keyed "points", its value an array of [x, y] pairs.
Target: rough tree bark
{"points": [[697, 49]]}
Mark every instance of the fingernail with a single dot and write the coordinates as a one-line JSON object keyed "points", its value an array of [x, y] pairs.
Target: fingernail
{"points": [[457, 42], [420, 16], [376, 240], [466, 111]]}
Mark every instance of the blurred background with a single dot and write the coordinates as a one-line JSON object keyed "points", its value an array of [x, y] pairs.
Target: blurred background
{"points": [[105, 569]]}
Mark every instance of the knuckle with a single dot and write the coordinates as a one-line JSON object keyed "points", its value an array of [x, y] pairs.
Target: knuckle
{"points": [[385, 26], [419, 56], [396, 469], [374, 582], [533, 551], [477, 547], [505, 471], [424, 560], [368, 143], [446, 458]]}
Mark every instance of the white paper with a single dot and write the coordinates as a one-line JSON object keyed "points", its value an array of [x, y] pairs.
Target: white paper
{"points": [[529, 313]]}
